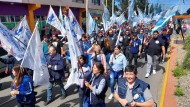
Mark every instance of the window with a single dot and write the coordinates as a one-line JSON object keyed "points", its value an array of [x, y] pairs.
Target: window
{"points": [[78, 1], [3, 19], [11, 19], [17, 18], [96, 2]]}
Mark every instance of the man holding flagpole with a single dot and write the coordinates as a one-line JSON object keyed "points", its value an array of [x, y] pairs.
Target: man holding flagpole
{"points": [[55, 66]]}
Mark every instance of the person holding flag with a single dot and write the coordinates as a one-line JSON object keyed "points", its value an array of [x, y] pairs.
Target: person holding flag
{"points": [[55, 66], [84, 72]]}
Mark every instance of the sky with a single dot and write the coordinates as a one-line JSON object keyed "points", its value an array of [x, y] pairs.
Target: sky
{"points": [[169, 3]]}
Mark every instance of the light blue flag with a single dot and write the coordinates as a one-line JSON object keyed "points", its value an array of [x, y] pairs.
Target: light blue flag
{"points": [[131, 9], [91, 24], [106, 13], [118, 4], [61, 15], [34, 59], [121, 19], [9, 43], [163, 21], [74, 53], [54, 21], [141, 15], [22, 33], [113, 18], [75, 25], [106, 19], [96, 28]]}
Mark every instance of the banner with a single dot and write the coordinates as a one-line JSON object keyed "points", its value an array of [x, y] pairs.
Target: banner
{"points": [[121, 19], [74, 53], [34, 59], [22, 33], [54, 21], [75, 25], [91, 24], [9, 43]]}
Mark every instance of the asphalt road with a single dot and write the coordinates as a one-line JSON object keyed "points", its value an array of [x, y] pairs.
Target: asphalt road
{"points": [[155, 82]]}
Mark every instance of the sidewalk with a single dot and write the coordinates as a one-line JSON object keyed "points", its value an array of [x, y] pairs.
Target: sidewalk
{"points": [[168, 98]]}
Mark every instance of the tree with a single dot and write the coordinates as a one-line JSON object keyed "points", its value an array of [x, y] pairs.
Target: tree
{"points": [[188, 11]]}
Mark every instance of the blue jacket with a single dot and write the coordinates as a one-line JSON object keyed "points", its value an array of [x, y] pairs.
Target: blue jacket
{"points": [[138, 88], [56, 71], [26, 91], [97, 98]]}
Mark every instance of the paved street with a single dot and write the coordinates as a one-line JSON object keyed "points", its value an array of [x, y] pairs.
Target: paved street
{"points": [[155, 82]]}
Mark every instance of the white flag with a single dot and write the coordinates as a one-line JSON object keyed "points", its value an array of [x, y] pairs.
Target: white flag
{"points": [[9, 43], [75, 25], [74, 53], [54, 21], [61, 16], [118, 37], [34, 59], [22, 33]]}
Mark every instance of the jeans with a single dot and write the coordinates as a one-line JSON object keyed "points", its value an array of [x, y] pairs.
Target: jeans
{"points": [[50, 86], [113, 76], [131, 56]]}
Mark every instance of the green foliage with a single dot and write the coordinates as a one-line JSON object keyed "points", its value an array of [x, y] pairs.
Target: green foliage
{"points": [[186, 62], [186, 45], [178, 91], [179, 71]]}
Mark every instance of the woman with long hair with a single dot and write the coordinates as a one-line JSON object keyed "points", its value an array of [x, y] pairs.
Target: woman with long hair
{"points": [[107, 49], [97, 55], [117, 63], [22, 87], [84, 72]]}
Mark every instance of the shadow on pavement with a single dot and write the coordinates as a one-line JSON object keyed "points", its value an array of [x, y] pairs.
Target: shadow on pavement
{"points": [[66, 104], [6, 85]]}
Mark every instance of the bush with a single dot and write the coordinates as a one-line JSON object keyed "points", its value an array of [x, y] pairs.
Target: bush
{"points": [[186, 62], [186, 45], [179, 71], [178, 91]]}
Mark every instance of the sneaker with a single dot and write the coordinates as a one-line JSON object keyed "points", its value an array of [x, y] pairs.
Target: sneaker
{"points": [[154, 71], [147, 75], [47, 102], [110, 97]]}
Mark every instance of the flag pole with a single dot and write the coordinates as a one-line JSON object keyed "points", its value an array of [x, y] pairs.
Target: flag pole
{"points": [[87, 16], [113, 7]]}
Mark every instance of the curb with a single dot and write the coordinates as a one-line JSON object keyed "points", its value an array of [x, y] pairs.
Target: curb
{"points": [[167, 82]]}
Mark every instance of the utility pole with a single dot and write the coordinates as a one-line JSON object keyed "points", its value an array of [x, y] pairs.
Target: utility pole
{"points": [[87, 27]]}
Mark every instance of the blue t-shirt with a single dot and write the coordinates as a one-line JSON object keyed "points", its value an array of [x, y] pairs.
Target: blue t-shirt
{"points": [[135, 46]]}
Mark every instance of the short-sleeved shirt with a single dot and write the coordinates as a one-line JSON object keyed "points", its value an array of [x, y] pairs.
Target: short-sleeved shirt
{"points": [[134, 48], [155, 46]]}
